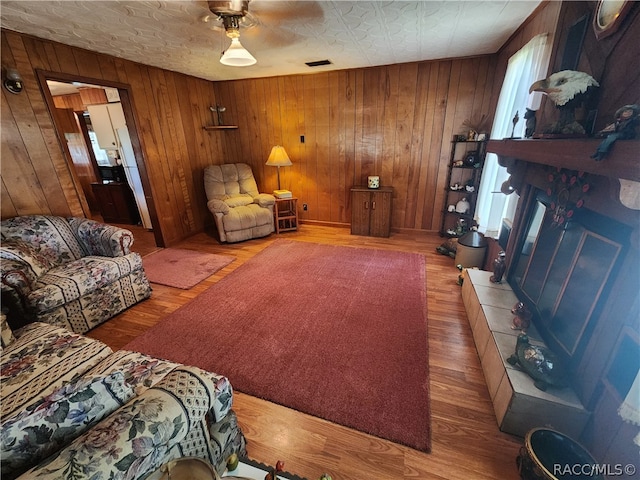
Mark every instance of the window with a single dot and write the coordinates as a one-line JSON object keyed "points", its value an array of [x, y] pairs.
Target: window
{"points": [[525, 67]]}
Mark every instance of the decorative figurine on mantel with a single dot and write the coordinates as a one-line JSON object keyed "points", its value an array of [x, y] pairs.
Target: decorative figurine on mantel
{"points": [[570, 91], [539, 363], [530, 125], [522, 318], [624, 128], [498, 268], [516, 119]]}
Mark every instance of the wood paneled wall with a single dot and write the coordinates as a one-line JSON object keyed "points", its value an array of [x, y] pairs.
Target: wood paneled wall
{"points": [[169, 112], [394, 121]]}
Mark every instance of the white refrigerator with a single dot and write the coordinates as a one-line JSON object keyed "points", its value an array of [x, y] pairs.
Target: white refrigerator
{"points": [[133, 175]]}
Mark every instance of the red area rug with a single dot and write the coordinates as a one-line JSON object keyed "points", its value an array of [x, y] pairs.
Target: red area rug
{"points": [[336, 332], [176, 267]]}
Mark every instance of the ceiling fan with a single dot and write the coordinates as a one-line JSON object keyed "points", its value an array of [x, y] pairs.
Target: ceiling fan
{"points": [[269, 22], [231, 13]]}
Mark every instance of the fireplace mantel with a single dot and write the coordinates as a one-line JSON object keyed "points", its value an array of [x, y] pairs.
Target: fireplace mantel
{"points": [[623, 160]]}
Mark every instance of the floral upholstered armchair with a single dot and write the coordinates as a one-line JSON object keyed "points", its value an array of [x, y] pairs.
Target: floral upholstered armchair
{"points": [[70, 272], [239, 211]]}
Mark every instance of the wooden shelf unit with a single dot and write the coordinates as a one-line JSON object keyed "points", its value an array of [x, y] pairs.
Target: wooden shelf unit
{"points": [[462, 175]]}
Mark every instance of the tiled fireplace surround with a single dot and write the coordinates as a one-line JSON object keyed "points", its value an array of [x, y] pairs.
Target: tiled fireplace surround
{"points": [[519, 406]]}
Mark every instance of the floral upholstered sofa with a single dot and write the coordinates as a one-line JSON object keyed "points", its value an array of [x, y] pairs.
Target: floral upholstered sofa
{"points": [[71, 272], [72, 408]]}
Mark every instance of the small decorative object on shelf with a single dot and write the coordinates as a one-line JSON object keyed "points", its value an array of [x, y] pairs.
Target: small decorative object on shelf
{"points": [[471, 160], [325, 476], [460, 228], [218, 111], [463, 206], [498, 268], [476, 126], [522, 318], [373, 181], [469, 186], [273, 472], [627, 118], [530, 125], [516, 119], [539, 363]]}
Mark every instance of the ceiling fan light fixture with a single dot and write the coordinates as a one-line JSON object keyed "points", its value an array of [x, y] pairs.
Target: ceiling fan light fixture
{"points": [[237, 56]]}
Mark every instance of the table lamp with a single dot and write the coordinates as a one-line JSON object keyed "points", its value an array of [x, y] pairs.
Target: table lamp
{"points": [[279, 158]]}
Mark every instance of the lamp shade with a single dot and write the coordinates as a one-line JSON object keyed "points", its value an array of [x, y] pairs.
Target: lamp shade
{"points": [[278, 157], [237, 56]]}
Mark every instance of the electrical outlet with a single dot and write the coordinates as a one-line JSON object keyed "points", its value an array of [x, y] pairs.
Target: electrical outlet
{"points": [[305, 207]]}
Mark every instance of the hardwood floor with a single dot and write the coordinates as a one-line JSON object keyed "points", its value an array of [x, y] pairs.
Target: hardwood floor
{"points": [[466, 442]]}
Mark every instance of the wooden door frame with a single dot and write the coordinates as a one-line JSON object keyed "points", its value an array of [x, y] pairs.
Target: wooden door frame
{"points": [[126, 100]]}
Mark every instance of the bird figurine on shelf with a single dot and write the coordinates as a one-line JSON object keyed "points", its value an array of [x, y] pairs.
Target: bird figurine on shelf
{"points": [[568, 90], [273, 472]]}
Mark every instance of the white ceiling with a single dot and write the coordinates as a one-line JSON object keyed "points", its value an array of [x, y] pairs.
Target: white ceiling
{"points": [[284, 34]]}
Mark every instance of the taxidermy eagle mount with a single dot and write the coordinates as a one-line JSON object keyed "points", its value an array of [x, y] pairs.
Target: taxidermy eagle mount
{"points": [[572, 92]]}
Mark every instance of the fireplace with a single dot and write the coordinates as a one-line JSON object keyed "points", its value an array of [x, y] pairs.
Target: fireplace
{"points": [[564, 271], [573, 256]]}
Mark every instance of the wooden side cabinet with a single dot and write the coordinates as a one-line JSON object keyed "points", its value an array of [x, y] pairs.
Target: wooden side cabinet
{"points": [[371, 211], [116, 202]]}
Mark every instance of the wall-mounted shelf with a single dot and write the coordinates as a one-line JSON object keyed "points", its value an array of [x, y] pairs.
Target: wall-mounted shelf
{"points": [[220, 127]]}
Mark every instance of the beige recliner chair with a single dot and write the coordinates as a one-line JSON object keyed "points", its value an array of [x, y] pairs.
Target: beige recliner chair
{"points": [[240, 212]]}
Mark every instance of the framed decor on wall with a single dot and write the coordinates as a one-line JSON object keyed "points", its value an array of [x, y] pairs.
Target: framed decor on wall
{"points": [[609, 16]]}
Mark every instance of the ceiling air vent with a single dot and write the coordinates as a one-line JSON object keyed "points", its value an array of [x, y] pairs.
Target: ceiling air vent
{"points": [[318, 63]]}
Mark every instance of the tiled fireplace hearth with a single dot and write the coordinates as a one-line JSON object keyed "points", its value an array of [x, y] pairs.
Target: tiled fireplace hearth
{"points": [[519, 406]]}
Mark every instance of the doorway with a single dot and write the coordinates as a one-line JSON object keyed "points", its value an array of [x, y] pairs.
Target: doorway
{"points": [[95, 123]]}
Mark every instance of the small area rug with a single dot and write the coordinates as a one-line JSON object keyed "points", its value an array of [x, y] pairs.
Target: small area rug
{"points": [[336, 332], [180, 268]]}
